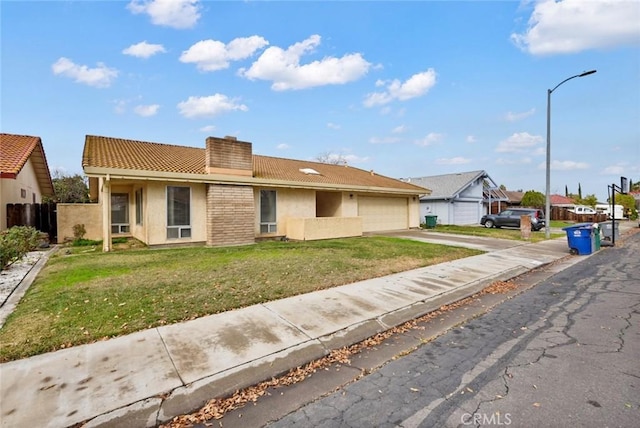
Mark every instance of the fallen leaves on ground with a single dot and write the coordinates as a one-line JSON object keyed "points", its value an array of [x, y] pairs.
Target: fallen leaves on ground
{"points": [[218, 407]]}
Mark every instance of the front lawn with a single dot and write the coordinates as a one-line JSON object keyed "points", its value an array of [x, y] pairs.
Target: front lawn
{"points": [[502, 233], [85, 296]]}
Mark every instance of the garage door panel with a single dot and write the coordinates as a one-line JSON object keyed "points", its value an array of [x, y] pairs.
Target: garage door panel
{"points": [[380, 214], [465, 213]]}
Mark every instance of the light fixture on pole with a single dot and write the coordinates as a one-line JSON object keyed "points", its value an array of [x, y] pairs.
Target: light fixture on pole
{"points": [[547, 211]]}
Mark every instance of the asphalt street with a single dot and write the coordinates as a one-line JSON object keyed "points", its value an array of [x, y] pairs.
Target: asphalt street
{"points": [[564, 353]]}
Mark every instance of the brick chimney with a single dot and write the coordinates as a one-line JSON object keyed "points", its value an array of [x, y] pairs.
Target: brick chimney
{"points": [[229, 156]]}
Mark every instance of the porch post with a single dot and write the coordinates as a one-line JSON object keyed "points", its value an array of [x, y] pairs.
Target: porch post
{"points": [[105, 185]]}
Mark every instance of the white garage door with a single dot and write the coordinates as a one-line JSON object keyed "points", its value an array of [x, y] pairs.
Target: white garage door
{"points": [[465, 213], [383, 213]]}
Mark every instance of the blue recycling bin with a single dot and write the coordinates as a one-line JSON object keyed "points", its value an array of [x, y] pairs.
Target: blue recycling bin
{"points": [[580, 238]]}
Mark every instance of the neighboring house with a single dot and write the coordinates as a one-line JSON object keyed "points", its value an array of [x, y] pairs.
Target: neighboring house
{"points": [[561, 201], [459, 199], [515, 197], [24, 173], [224, 195]]}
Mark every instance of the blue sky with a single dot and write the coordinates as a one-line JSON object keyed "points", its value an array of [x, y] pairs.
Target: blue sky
{"points": [[407, 89]]}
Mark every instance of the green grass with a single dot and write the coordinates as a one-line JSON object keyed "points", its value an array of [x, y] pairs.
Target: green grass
{"points": [[82, 297], [502, 233]]}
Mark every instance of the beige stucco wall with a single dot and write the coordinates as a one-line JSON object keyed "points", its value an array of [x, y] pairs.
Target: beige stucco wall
{"points": [[308, 229], [301, 204], [10, 191], [71, 214], [155, 213], [153, 230], [414, 212], [297, 203], [349, 204]]}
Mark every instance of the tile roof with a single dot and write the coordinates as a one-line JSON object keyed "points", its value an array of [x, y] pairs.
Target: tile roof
{"points": [[107, 152], [560, 200], [16, 150], [116, 153]]}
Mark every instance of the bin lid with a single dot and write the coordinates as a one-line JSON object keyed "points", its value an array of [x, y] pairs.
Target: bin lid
{"points": [[579, 226]]}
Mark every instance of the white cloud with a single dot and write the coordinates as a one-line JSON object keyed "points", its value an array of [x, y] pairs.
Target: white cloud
{"points": [[120, 106], [471, 139], [384, 140], [283, 67], [331, 125], [514, 117], [416, 86], [569, 26], [283, 146], [453, 161], [212, 55], [399, 129], [209, 106], [146, 111], [431, 138], [143, 50], [503, 161], [557, 165], [208, 128], [613, 170], [100, 77], [178, 14], [519, 142]]}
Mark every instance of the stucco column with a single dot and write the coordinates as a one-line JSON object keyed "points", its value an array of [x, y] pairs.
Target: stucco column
{"points": [[105, 185]]}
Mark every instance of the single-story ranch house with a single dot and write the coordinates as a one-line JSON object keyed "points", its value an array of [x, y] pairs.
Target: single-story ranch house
{"points": [[224, 195]]}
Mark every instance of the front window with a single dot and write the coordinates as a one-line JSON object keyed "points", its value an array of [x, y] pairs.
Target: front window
{"points": [[139, 206], [119, 213], [268, 211], [178, 212]]}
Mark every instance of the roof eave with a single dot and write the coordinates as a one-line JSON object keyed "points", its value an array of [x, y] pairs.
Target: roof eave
{"points": [[127, 174]]}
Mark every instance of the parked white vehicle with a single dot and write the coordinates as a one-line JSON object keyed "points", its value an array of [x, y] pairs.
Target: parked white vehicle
{"points": [[582, 209], [609, 210]]}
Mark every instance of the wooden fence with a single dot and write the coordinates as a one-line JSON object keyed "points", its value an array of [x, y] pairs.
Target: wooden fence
{"points": [[41, 216], [563, 214]]}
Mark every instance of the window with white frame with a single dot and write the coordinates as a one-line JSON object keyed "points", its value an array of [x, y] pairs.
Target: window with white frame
{"points": [[268, 222], [119, 213], [178, 212]]}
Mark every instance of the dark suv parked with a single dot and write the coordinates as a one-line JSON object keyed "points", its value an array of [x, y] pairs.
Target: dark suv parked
{"points": [[511, 218]]}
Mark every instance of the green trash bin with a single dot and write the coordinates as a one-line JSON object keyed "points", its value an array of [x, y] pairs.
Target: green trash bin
{"points": [[596, 235], [430, 221]]}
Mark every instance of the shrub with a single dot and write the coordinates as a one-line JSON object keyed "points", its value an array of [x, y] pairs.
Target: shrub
{"points": [[79, 231], [16, 242]]}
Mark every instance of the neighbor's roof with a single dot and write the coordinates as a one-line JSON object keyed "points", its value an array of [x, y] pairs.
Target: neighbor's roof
{"points": [[115, 153], [16, 150], [514, 196], [448, 185], [560, 200]]}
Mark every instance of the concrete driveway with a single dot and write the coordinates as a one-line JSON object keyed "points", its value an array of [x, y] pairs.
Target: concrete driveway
{"points": [[474, 242]]}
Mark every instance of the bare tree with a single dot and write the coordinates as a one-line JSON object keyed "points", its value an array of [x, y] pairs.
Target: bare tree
{"points": [[331, 158]]}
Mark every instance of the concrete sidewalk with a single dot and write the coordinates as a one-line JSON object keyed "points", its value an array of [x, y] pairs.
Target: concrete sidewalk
{"points": [[143, 378]]}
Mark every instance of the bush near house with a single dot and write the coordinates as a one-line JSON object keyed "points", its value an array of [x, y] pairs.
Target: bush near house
{"points": [[16, 242]]}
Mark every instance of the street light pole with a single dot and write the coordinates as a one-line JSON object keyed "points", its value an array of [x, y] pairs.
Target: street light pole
{"points": [[547, 211]]}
